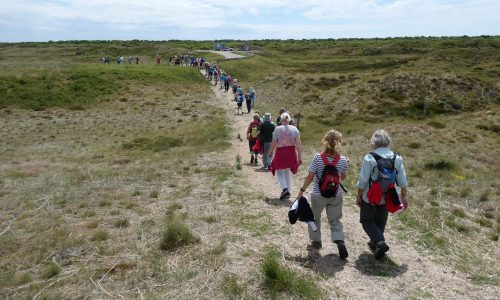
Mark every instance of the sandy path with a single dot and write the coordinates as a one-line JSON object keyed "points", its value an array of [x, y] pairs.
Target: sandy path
{"points": [[226, 54], [406, 274]]}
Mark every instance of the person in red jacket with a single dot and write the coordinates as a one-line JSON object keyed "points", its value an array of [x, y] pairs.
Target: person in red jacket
{"points": [[158, 59], [253, 131]]}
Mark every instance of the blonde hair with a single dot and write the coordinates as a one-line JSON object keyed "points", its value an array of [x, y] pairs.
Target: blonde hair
{"points": [[332, 141]]}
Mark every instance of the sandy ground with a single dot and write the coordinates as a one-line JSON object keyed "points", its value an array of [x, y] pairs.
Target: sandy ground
{"points": [[226, 54], [404, 273]]}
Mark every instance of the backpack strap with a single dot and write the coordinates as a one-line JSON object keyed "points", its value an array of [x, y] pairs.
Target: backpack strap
{"points": [[334, 163], [326, 162]]}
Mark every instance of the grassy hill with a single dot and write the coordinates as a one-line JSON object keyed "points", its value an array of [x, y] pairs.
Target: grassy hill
{"points": [[105, 168]]}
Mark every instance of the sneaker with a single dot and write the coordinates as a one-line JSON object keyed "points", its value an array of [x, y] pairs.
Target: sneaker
{"points": [[316, 244], [381, 249], [372, 245], [343, 254], [251, 160], [284, 194]]}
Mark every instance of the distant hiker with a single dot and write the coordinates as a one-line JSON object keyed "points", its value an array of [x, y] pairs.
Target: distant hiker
{"points": [[130, 59], [292, 121], [252, 96], [228, 80], [235, 85], [216, 76], [278, 120], [376, 191], [266, 135], [137, 60], [248, 101], [326, 171], [253, 131], [222, 79], [239, 103], [158, 59], [288, 156]]}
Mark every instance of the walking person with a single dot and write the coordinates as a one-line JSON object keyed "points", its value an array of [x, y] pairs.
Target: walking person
{"points": [[227, 81], [326, 171], [288, 156], [158, 59], [266, 135], [248, 101], [252, 136], [371, 198], [278, 120]]}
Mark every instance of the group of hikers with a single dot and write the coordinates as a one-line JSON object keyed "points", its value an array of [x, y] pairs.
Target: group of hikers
{"points": [[381, 170], [281, 149], [120, 59]]}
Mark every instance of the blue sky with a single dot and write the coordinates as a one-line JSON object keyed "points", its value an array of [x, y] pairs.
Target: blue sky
{"points": [[44, 20]]}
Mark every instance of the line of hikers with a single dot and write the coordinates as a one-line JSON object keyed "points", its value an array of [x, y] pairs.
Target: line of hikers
{"points": [[281, 149]]}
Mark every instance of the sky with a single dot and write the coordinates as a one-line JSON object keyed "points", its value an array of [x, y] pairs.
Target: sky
{"points": [[57, 20]]}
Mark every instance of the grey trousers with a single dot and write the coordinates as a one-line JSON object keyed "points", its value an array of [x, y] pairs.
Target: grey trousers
{"points": [[333, 207], [265, 157]]}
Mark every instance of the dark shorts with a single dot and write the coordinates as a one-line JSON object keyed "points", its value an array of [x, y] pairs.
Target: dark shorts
{"points": [[251, 144]]}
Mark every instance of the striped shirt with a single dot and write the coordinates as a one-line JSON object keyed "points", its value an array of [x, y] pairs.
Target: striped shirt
{"points": [[317, 167]]}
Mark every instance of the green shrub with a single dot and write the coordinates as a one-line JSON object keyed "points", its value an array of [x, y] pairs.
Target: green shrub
{"points": [[279, 279], [176, 235], [51, 270], [232, 288], [436, 124], [99, 236], [441, 165], [121, 223]]}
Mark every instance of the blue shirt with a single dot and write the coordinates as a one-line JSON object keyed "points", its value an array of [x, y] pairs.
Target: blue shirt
{"points": [[368, 169]]}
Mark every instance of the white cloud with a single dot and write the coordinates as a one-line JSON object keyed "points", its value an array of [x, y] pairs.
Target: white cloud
{"points": [[208, 19]]}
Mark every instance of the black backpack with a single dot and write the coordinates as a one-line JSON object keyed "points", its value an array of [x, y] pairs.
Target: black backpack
{"points": [[330, 181], [386, 171]]}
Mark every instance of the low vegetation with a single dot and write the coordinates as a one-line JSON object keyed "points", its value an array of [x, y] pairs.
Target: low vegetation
{"points": [[111, 173]]}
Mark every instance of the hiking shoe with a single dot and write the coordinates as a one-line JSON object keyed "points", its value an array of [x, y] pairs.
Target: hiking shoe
{"points": [[316, 244], [372, 245], [251, 160], [284, 194], [343, 254], [381, 249], [256, 161]]}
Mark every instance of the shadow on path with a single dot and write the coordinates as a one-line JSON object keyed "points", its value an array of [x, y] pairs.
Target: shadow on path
{"points": [[277, 202], [386, 267], [325, 265]]}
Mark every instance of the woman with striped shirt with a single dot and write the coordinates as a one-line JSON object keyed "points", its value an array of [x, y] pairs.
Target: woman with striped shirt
{"points": [[333, 206]]}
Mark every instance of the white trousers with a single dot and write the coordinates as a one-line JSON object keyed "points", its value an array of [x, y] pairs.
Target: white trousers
{"points": [[285, 179]]}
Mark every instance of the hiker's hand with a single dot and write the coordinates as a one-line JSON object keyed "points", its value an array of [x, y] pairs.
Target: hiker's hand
{"points": [[404, 200], [358, 201], [300, 161], [299, 195], [347, 159]]}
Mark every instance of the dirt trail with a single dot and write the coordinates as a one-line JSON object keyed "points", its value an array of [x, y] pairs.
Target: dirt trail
{"points": [[226, 54], [404, 274]]}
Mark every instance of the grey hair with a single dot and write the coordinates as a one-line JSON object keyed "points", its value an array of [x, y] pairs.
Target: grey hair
{"points": [[284, 116], [380, 138]]}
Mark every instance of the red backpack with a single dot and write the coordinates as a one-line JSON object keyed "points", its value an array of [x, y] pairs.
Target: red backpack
{"points": [[329, 182]]}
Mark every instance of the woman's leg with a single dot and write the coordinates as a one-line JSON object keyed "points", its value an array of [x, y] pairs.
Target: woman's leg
{"points": [[334, 214], [288, 178], [282, 178], [317, 205]]}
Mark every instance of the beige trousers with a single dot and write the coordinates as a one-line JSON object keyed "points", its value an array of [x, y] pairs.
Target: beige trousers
{"points": [[333, 207]]}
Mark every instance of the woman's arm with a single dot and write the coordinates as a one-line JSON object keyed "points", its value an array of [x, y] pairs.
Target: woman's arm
{"points": [[273, 146], [298, 142], [307, 181]]}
